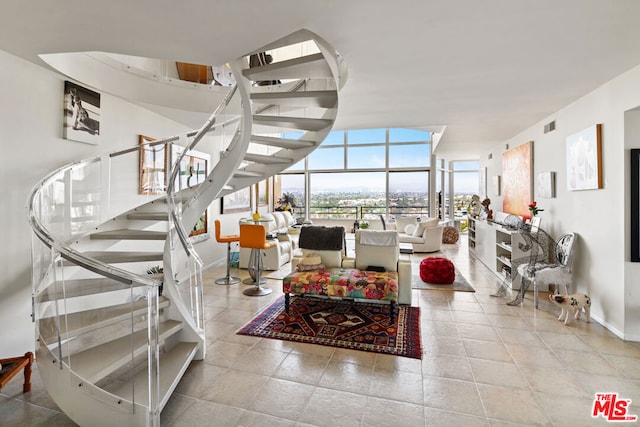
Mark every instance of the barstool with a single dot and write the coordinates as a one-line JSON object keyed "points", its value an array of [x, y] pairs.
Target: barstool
{"points": [[254, 237], [228, 279]]}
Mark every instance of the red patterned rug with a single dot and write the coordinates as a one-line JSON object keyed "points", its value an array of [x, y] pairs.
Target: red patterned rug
{"points": [[344, 324]]}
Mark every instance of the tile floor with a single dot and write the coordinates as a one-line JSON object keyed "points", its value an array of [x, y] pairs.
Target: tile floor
{"points": [[484, 364]]}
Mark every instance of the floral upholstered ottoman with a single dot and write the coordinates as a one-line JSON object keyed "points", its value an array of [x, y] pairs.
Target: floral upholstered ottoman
{"points": [[344, 283]]}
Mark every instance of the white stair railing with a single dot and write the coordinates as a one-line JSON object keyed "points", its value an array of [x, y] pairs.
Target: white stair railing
{"points": [[99, 316]]}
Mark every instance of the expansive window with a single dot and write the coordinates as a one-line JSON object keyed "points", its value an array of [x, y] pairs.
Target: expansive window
{"points": [[466, 179], [347, 195], [364, 173]]}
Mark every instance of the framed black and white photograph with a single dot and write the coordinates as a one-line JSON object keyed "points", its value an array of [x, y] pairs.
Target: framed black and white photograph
{"points": [[81, 119]]}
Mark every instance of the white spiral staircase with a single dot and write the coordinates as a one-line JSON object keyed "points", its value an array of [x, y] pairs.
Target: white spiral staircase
{"points": [[113, 341]]}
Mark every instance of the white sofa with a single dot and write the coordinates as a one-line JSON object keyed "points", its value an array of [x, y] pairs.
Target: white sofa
{"points": [[424, 235], [280, 254]]}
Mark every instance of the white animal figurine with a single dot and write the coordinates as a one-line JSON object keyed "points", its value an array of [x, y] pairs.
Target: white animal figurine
{"points": [[572, 304]]}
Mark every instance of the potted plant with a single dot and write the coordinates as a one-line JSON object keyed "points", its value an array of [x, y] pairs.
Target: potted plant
{"points": [[287, 202]]}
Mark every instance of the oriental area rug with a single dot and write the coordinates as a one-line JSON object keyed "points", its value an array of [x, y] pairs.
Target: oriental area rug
{"points": [[340, 323]]}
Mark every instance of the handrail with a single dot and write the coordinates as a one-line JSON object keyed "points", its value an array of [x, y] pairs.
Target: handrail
{"points": [[208, 125], [66, 251]]}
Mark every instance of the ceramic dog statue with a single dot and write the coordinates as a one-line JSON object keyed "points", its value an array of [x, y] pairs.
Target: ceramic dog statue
{"points": [[572, 304]]}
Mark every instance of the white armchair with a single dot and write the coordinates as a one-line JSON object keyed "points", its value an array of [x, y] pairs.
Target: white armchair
{"points": [[424, 235], [382, 249], [280, 254]]}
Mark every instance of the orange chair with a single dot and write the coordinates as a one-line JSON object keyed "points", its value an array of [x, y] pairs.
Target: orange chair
{"points": [[228, 279], [254, 236]]}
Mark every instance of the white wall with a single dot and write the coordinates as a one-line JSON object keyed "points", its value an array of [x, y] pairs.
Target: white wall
{"points": [[602, 268], [31, 146]]}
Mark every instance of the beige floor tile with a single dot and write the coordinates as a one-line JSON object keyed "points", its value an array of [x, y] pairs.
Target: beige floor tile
{"points": [[486, 350], [215, 415], [497, 373], [512, 405], [382, 412], [174, 408], [256, 419], [235, 388], [347, 377], [396, 385], [520, 337], [560, 341], [554, 381], [440, 418], [478, 318], [225, 354], [260, 360], [348, 412], [452, 395], [282, 398], [587, 362], [444, 345], [447, 366], [628, 366], [395, 363], [303, 368], [478, 332], [438, 328], [344, 355], [533, 356], [198, 379]]}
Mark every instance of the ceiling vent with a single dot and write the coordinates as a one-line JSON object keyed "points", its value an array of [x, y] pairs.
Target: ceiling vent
{"points": [[551, 126]]}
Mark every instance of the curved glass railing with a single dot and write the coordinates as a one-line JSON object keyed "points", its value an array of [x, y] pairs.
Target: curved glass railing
{"points": [[117, 282]]}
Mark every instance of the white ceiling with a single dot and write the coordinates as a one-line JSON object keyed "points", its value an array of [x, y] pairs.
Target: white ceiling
{"points": [[485, 69]]}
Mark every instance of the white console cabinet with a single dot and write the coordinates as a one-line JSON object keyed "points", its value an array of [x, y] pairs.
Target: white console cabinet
{"points": [[496, 246]]}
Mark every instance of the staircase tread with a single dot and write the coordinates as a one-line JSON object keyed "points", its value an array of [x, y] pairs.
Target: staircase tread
{"points": [[281, 142], [173, 363], [97, 362], [149, 216], [130, 234], [262, 158], [114, 257], [83, 287], [84, 321]]}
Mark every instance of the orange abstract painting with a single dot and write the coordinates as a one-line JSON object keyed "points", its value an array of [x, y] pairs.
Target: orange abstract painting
{"points": [[516, 172]]}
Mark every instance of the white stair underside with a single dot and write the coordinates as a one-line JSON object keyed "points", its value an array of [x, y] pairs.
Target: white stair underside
{"points": [[322, 99], [300, 123], [313, 66]]}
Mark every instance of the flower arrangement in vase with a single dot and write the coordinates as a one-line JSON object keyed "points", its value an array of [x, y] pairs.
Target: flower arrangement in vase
{"points": [[534, 209]]}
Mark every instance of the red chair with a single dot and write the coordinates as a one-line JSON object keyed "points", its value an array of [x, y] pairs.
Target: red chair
{"points": [[228, 279]]}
